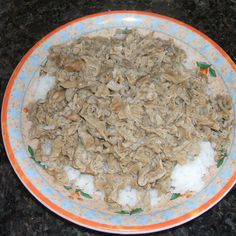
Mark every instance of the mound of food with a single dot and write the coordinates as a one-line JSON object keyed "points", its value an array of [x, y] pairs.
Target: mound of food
{"points": [[125, 119]]}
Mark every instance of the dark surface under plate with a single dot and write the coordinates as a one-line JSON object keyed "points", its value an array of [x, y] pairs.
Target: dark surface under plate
{"points": [[22, 24]]}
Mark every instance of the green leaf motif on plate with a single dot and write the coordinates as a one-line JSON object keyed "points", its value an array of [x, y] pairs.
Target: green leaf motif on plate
{"points": [[132, 212], [86, 195], [212, 72], [31, 151], [203, 65], [175, 195], [67, 187]]}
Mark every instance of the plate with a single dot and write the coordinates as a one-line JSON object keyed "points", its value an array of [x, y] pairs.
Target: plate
{"points": [[23, 84]]}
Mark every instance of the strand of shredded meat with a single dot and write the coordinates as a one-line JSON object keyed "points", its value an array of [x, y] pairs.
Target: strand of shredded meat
{"points": [[126, 110]]}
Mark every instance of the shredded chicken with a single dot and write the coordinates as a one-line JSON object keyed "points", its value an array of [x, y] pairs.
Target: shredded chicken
{"points": [[125, 110]]}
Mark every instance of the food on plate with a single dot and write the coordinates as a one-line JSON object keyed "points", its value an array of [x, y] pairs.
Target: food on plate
{"points": [[126, 120]]}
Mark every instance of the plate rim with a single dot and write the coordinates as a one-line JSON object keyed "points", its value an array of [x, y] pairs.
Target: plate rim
{"points": [[70, 216]]}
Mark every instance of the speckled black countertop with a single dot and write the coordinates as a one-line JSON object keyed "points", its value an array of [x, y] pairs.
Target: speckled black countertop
{"points": [[22, 24]]}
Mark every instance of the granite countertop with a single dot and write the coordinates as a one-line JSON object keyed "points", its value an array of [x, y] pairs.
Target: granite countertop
{"points": [[22, 24]]}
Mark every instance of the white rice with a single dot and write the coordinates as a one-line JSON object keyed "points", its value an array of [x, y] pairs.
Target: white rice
{"points": [[153, 197], [189, 177], [47, 147], [128, 196], [81, 181], [100, 194], [86, 183], [72, 174], [45, 83]]}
